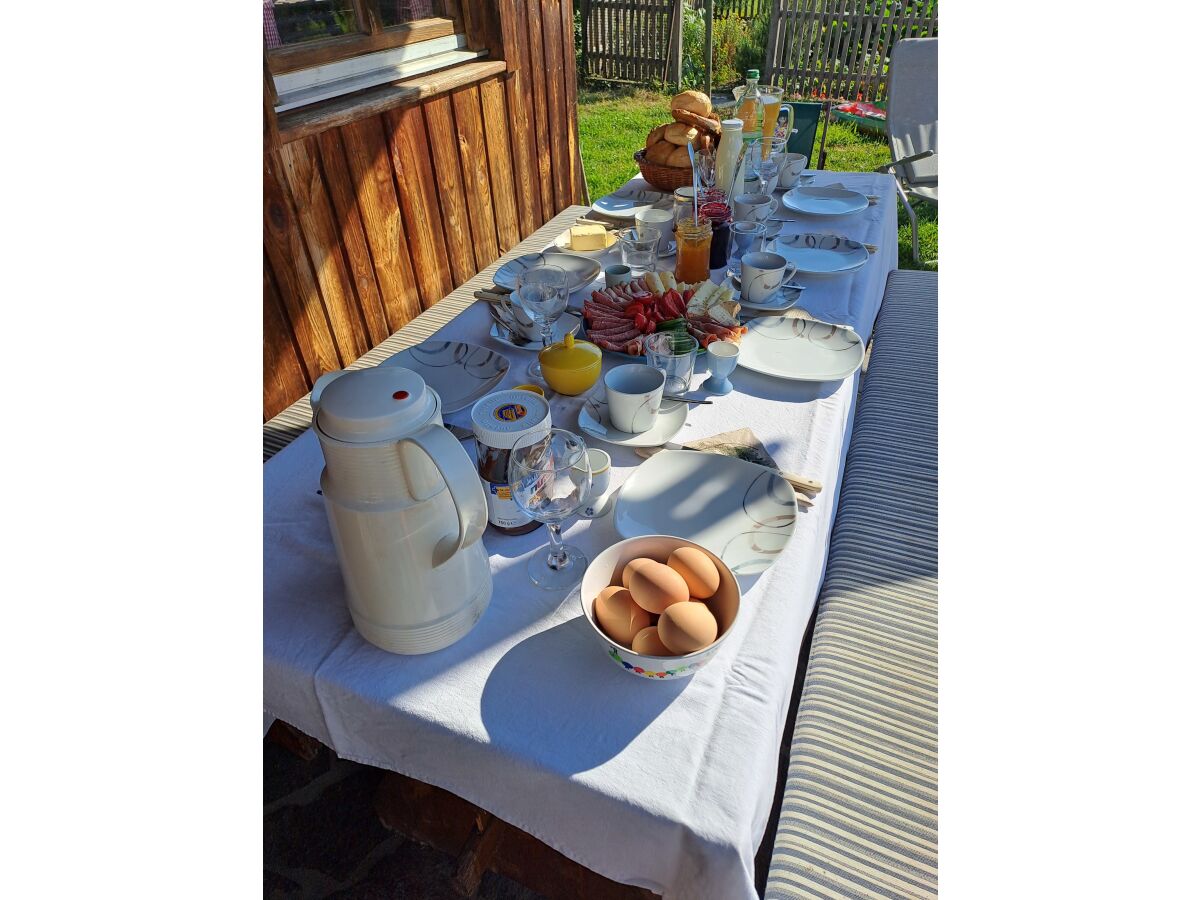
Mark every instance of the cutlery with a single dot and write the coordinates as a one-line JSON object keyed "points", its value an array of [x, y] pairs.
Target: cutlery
{"points": [[459, 432], [686, 399], [798, 482], [494, 299]]}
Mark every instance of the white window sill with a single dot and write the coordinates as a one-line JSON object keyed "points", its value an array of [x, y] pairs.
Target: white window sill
{"points": [[312, 85]]}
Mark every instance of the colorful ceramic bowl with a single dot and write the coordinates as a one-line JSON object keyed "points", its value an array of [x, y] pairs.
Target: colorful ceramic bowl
{"points": [[606, 569]]}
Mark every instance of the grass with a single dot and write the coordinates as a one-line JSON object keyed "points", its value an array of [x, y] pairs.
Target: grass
{"points": [[613, 124]]}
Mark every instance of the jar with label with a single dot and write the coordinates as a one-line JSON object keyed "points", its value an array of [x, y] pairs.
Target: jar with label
{"points": [[499, 420]]}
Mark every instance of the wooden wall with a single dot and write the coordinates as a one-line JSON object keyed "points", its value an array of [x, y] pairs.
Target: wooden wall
{"points": [[376, 210]]}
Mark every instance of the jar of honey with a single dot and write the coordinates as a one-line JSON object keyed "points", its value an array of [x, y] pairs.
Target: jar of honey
{"points": [[693, 244]]}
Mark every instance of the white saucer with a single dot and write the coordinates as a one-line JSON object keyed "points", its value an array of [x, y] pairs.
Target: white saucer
{"points": [[594, 422], [777, 302], [566, 324]]}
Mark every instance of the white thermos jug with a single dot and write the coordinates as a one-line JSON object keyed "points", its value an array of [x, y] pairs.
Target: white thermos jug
{"points": [[406, 509]]}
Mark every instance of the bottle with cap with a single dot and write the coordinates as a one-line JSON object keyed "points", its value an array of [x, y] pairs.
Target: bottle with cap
{"points": [[750, 108], [499, 420], [727, 156]]}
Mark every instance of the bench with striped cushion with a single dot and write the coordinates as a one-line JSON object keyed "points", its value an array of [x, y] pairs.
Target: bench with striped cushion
{"points": [[859, 812]]}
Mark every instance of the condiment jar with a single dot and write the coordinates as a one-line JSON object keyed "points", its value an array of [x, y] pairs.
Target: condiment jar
{"points": [[499, 420], [718, 215], [570, 366]]}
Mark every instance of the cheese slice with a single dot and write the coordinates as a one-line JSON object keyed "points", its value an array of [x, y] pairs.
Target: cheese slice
{"points": [[654, 284], [588, 237]]}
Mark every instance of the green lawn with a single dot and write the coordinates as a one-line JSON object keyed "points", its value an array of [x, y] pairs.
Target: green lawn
{"points": [[613, 124]]}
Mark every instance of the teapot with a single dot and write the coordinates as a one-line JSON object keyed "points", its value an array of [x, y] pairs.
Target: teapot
{"points": [[406, 509]]}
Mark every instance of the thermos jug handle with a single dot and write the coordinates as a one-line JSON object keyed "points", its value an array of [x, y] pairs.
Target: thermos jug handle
{"points": [[445, 452]]}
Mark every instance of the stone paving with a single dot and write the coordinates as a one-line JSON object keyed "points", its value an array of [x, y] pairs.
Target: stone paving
{"points": [[322, 839]]}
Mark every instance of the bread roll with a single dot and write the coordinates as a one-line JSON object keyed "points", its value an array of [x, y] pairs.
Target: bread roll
{"points": [[693, 101], [679, 157], [659, 153], [656, 134], [679, 134], [687, 117]]}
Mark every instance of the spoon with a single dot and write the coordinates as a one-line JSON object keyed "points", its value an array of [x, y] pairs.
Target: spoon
{"points": [[695, 185]]}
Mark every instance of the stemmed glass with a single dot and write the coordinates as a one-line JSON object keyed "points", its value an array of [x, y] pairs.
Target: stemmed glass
{"points": [[706, 168], [551, 477], [542, 293]]}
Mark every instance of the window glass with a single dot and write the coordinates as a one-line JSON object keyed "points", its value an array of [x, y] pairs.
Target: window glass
{"points": [[296, 21], [397, 12]]}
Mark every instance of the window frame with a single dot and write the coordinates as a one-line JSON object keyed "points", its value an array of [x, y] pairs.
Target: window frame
{"points": [[372, 36]]}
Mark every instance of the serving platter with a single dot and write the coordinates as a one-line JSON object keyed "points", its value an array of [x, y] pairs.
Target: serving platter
{"points": [[581, 270], [824, 201], [742, 512], [459, 373], [800, 349], [822, 254]]}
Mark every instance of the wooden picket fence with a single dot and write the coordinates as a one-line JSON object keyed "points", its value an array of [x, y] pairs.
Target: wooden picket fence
{"points": [[742, 9], [630, 40], [839, 49]]}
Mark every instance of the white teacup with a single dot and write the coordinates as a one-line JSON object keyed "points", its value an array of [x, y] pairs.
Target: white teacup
{"points": [[762, 274], [661, 221], [754, 207], [634, 395], [791, 167]]}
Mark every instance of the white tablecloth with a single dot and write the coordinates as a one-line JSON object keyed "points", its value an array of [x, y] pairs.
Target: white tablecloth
{"points": [[666, 785]]}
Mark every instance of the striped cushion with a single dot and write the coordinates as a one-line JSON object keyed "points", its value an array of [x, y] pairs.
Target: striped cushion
{"points": [[859, 814]]}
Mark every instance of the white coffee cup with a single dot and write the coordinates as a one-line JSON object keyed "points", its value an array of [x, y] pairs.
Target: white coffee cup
{"points": [[753, 207], [634, 394], [790, 168], [661, 221], [762, 274]]}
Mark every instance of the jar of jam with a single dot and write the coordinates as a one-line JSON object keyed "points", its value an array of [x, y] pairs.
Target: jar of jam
{"points": [[719, 216], [693, 241], [499, 420]]}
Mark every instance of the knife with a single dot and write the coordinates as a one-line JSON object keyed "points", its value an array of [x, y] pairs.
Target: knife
{"points": [[459, 432]]}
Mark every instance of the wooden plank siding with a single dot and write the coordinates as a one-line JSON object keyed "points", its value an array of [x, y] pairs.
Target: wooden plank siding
{"points": [[375, 210]]}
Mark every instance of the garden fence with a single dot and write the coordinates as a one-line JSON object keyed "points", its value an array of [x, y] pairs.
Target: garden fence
{"points": [[631, 40], [839, 49]]}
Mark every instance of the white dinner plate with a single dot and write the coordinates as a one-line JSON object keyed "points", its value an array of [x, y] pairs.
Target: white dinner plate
{"points": [[800, 349], [566, 324], [824, 201], [581, 270], [460, 373], [822, 254], [742, 512], [626, 203], [563, 243], [594, 421]]}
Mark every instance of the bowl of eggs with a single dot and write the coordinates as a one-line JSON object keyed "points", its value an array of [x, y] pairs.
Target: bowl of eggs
{"points": [[661, 606]]}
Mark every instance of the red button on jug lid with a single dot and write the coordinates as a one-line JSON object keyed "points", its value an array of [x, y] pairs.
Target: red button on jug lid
{"points": [[379, 404]]}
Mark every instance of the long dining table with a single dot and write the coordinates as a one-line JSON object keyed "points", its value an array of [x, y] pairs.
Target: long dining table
{"points": [[664, 785]]}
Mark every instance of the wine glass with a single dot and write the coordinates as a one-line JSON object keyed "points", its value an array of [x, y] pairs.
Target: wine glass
{"points": [[706, 168], [551, 477], [542, 293]]}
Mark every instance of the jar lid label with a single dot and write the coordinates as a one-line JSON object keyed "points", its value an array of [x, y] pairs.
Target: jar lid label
{"points": [[510, 412]]}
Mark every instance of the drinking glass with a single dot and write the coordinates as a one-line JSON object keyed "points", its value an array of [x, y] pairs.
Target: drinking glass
{"points": [[638, 250], [551, 477], [542, 293], [743, 234], [674, 354], [706, 168]]}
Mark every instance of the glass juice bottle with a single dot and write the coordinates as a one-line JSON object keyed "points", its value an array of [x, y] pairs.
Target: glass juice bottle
{"points": [[750, 108]]}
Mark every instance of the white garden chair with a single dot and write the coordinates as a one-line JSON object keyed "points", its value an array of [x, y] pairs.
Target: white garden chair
{"points": [[912, 117]]}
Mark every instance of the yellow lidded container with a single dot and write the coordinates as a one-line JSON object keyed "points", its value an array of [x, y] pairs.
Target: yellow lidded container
{"points": [[570, 366]]}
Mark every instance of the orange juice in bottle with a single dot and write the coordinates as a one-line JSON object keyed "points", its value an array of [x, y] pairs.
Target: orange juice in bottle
{"points": [[750, 108], [693, 242]]}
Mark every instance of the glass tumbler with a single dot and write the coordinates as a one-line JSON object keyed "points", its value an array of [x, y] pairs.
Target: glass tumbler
{"points": [[674, 354], [638, 250]]}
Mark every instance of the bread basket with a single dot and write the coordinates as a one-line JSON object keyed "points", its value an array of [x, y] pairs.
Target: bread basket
{"points": [[665, 178]]}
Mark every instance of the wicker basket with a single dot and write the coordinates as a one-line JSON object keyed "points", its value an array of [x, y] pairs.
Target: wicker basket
{"points": [[665, 178]]}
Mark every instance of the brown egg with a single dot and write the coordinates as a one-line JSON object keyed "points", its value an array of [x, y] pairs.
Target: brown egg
{"points": [[648, 643], [697, 569], [656, 586], [687, 627], [618, 616], [632, 566]]}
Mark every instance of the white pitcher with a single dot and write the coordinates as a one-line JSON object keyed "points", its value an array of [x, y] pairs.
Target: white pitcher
{"points": [[405, 507]]}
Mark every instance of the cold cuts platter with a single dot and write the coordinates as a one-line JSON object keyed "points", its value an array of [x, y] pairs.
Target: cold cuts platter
{"points": [[618, 318]]}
